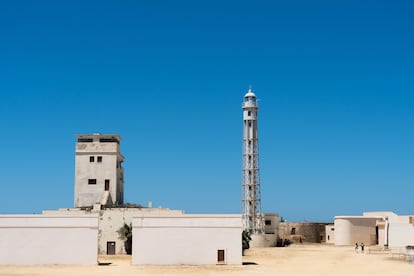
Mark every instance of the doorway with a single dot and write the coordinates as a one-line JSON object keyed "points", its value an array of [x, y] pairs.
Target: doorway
{"points": [[110, 248], [220, 256]]}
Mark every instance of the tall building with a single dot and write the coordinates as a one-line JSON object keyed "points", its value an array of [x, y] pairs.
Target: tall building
{"points": [[99, 175], [253, 219]]}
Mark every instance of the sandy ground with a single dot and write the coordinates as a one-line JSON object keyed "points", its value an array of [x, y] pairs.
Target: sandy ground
{"points": [[293, 260]]}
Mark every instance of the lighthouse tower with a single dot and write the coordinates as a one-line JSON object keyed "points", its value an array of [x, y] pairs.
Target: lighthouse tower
{"points": [[251, 205]]}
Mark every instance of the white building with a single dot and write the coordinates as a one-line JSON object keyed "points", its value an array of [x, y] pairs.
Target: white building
{"points": [[187, 240], [48, 240], [77, 235], [99, 175], [375, 228], [350, 230]]}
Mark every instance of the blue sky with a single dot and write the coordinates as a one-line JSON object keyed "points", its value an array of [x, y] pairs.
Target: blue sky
{"points": [[334, 80]]}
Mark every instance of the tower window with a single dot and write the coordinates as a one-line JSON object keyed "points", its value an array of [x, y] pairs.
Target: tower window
{"points": [[106, 184], [249, 113], [92, 181], [293, 231], [99, 159], [91, 159]]}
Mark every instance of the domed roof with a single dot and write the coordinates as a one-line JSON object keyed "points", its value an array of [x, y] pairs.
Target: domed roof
{"points": [[250, 93]]}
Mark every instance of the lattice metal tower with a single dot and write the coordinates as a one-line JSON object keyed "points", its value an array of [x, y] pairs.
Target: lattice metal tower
{"points": [[253, 219]]}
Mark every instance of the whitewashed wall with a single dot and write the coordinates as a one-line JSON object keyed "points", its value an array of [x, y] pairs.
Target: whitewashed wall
{"points": [[42, 240], [186, 239], [400, 234]]}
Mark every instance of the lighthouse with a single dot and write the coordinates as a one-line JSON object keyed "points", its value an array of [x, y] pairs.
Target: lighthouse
{"points": [[253, 220]]}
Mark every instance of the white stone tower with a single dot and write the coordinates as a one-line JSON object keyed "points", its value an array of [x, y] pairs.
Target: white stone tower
{"points": [[99, 175], [253, 220]]}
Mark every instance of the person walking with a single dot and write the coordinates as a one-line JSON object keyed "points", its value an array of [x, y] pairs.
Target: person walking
{"points": [[362, 247], [356, 247]]}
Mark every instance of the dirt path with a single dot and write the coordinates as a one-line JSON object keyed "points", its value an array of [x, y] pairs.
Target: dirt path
{"points": [[293, 260]]}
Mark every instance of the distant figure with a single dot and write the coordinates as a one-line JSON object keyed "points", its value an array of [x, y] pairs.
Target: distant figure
{"points": [[356, 247], [362, 247]]}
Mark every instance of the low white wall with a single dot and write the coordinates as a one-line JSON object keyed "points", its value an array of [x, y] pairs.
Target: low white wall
{"points": [[186, 239], [263, 240], [400, 234], [42, 240]]}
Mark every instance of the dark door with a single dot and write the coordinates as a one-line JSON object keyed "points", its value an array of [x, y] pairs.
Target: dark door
{"points": [[220, 256], [106, 184], [110, 248]]}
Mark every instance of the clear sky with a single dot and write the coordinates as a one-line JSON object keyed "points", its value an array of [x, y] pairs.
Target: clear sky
{"points": [[335, 80]]}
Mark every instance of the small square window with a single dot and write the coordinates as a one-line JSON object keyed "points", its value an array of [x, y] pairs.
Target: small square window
{"points": [[92, 181], [268, 222], [91, 159], [99, 159]]}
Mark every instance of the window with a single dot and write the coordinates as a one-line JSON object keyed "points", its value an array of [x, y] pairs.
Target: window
{"points": [[85, 140], [106, 184], [249, 113], [92, 181], [109, 140], [99, 159], [91, 159], [268, 222], [293, 231]]}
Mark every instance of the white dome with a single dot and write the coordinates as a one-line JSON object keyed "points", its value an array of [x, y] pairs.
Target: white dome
{"points": [[250, 93]]}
